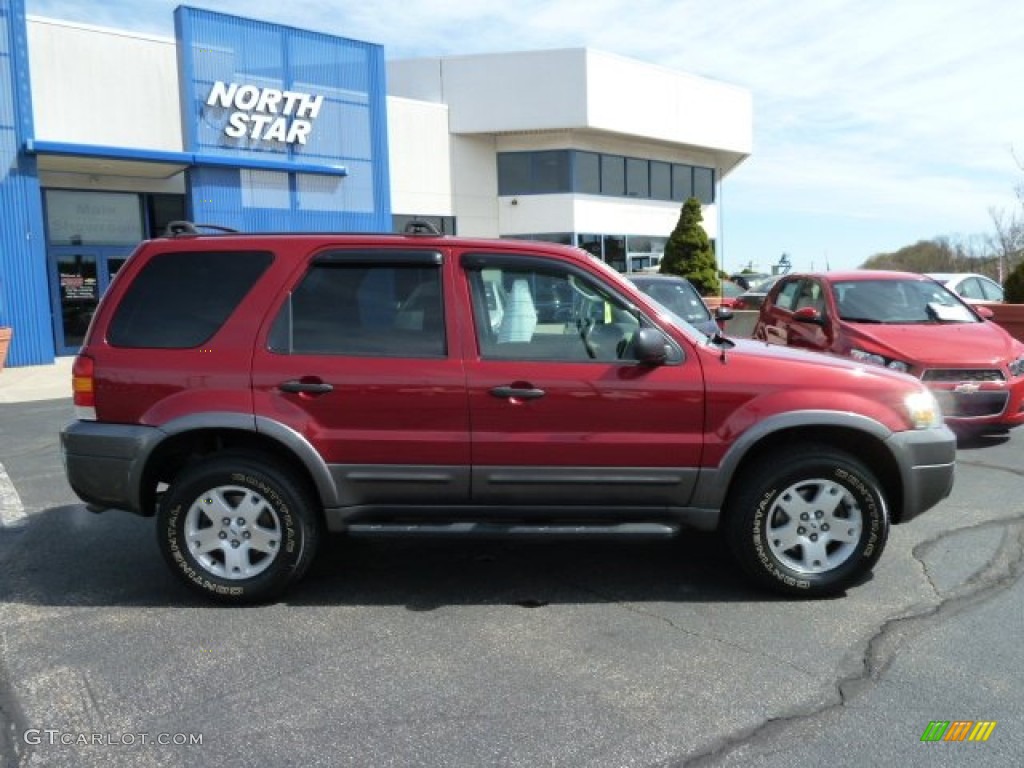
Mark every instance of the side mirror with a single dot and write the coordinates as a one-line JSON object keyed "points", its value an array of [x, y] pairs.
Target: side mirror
{"points": [[649, 346], [723, 314], [808, 315], [985, 312]]}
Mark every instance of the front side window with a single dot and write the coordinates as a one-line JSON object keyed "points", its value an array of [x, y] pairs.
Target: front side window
{"points": [[356, 308], [535, 313], [787, 296]]}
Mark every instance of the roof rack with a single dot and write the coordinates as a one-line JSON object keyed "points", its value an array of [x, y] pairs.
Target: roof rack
{"points": [[178, 228], [421, 227]]}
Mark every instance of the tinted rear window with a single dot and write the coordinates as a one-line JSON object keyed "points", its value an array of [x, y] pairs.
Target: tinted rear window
{"points": [[180, 300]]}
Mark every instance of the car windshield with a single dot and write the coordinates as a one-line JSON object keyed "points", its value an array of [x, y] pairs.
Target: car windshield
{"points": [[677, 296], [899, 302]]}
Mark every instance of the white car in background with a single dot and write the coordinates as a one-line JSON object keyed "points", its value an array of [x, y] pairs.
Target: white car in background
{"points": [[972, 288]]}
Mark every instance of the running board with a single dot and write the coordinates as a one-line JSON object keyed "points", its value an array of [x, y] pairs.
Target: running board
{"points": [[517, 530]]}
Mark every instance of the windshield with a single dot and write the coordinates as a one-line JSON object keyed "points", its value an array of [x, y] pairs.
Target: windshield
{"points": [[678, 297], [899, 302]]}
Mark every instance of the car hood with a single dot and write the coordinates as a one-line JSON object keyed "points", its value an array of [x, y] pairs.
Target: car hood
{"points": [[763, 351], [960, 344]]}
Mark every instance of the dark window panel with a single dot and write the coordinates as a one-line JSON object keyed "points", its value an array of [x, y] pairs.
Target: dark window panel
{"points": [[514, 173], [637, 179], [199, 290], [587, 169], [682, 182], [661, 181], [704, 185], [550, 172], [613, 175]]}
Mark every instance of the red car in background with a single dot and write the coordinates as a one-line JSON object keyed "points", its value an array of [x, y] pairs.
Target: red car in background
{"points": [[727, 295], [904, 322]]}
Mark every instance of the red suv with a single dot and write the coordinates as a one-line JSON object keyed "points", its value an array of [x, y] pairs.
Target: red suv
{"points": [[905, 322], [254, 391]]}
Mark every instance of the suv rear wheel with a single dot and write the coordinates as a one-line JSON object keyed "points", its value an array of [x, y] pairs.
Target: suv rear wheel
{"points": [[238, 528], [811, 524]]}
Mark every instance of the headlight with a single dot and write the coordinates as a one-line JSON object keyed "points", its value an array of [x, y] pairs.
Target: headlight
{"points": [[1017, 367], [884, 362], [923, 409]]}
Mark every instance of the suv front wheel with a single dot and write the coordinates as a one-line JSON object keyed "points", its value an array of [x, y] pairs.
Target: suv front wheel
{"points": [[810, 524], [237, 528]]}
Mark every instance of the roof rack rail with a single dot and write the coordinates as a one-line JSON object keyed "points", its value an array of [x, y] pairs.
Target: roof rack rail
{"points": [[421, 227], [176, 228]]}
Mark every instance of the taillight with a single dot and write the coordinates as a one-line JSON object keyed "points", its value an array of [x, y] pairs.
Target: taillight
{"points": [[83, 388]]}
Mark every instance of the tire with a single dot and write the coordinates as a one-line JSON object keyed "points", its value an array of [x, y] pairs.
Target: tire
{"points": [[237, 528], [811, 524]]}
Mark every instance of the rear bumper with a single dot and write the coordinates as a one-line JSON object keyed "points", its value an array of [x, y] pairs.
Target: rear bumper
{"points": [[927, 460], [104, 462]]}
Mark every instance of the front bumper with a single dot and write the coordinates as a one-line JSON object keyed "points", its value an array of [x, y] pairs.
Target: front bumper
{"points": [[927, 460], [104, 463]]}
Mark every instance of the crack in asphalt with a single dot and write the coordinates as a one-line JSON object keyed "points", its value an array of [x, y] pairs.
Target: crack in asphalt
{"points": [[996, 467], [880, 650], [13, 750]]}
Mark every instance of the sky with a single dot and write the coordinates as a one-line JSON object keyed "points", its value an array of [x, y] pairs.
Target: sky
{"points": [[877, 123]]}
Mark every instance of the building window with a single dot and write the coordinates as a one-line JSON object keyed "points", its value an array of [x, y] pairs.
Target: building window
{"points": [[587, 173], [704, 185], [591, 173], [661, 180], [591, 244], [637, 179], [550, 173], [613, 175], [514, 173], [682, 182]]}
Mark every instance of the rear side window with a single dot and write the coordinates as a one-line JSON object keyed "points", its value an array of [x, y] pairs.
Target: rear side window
{"points": [[346, 306], [180, 300]]}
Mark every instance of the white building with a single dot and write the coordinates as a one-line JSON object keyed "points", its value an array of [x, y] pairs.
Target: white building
{"points": [[115, 133]]}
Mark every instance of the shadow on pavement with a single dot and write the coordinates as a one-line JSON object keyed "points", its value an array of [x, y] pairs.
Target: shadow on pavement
{"points": [[66, 556]]}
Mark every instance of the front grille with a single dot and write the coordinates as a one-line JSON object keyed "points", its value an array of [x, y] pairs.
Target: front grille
{"points": [[953, 375], [973, 405]]}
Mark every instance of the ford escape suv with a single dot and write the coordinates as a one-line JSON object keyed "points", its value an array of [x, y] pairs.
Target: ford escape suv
{"points": [[253, 391]]}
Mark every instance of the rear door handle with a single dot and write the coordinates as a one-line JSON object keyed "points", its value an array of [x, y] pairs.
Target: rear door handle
{"points": [[521, 393], [307, 387]]}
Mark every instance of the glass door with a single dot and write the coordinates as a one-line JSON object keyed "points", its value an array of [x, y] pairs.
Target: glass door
{"points": [[79, 275]]}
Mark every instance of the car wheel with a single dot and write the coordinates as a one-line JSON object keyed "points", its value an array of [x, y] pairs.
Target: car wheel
{"points": [[811, 524], [238, 528]]}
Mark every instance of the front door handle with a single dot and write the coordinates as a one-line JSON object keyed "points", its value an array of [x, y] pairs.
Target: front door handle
{"points": [[306, 387], [520, 393]]}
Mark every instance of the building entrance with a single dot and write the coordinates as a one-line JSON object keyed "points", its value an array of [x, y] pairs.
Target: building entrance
{"points": [[79, 275]]}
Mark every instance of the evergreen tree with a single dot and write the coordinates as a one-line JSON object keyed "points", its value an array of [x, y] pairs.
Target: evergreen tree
{"points": [[688, 252], [1013, 286]]}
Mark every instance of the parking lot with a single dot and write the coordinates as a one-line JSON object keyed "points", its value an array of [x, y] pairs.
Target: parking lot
{"points": [[467, 653]]}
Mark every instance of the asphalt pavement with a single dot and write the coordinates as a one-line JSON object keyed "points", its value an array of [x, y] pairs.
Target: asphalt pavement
{"points": [[453, 653]]}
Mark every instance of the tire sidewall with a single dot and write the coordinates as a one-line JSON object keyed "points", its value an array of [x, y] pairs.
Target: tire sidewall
{"points": [[277, 492], [750, 526]]}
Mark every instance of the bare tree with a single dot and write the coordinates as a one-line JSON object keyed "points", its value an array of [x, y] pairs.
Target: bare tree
{"points": [[1007, 244]]}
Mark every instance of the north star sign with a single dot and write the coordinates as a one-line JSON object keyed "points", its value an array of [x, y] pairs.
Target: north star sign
{"points": [[266, 114]]}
